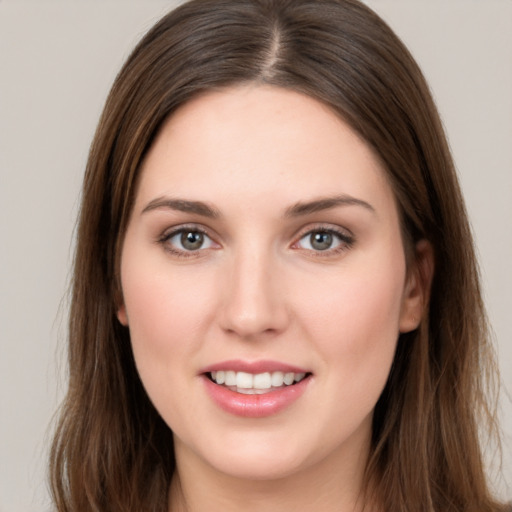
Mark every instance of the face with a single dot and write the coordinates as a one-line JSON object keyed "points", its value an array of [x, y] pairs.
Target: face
{"points": [[264, 283]]}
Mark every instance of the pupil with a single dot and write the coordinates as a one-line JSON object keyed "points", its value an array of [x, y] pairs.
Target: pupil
{"points": [[321, 241], [192, 240]]}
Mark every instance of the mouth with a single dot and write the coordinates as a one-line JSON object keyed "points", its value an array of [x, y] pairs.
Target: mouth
{"points": [[256, 384], [255, 389]]}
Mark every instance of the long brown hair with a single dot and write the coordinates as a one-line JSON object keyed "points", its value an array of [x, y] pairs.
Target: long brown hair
{"points": [[112, 451]]}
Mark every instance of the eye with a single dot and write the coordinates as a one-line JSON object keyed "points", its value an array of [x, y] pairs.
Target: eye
{"points": [[324, 240], [187, 240]]}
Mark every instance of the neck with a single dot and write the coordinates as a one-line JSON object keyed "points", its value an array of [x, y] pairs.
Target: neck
{"points": [[331, 485]]}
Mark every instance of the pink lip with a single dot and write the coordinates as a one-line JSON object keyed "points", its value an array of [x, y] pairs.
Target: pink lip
{"points": [[254, 406], [237, 365]]}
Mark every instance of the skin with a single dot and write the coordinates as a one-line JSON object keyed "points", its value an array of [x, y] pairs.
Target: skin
{"points": [[258, 289]]}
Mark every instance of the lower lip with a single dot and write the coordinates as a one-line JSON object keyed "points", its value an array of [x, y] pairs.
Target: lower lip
{"points": [[255, 406]]}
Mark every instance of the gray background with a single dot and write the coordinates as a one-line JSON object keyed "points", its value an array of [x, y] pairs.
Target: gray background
{"points": [[57, 61]]}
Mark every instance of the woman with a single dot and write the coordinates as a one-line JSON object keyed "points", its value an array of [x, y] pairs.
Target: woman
{"points": [[275, 302]]}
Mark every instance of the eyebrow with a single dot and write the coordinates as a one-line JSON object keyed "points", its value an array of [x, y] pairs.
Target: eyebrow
{"points": [[326, 203], [297, 210], [183, 205]]}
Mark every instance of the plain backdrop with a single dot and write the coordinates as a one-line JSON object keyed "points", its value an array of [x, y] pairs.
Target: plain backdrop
{"points": [[57, 62]]}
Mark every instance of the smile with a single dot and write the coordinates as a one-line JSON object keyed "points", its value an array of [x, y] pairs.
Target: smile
{"points": [[255, 389], [255, 384]]}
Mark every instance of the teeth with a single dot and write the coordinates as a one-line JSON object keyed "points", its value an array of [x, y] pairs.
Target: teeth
{"points": [[262, 381], [244, 380], [230, 379], [248, 383], [277, 379], [289, 378]]}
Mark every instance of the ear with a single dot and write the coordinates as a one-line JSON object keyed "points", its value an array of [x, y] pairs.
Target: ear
{"points": [[121, 315], [417, 287], [118, 299]]}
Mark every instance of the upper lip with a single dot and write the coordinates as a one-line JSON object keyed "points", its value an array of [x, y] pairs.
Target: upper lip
{"points": [[255, 367]]}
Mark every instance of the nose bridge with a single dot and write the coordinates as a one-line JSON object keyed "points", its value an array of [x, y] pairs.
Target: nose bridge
{"points": [[254, 300]]}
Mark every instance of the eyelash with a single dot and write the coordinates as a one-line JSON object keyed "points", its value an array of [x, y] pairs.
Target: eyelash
{"points": [[345, 241], [183, 253]]}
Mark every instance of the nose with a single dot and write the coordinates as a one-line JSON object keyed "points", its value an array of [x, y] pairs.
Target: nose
{"points": [[254, 302]]}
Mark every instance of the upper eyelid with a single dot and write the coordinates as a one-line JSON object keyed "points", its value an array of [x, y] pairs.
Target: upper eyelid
{"points": [[330, 228], [171, 231]]}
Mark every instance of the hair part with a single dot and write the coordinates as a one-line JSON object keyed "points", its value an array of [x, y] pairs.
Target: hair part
{"points": [[112, 451]]}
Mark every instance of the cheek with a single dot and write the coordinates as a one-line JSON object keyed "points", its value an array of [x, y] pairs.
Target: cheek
{"points": [[166, 310], [166, 318], [355, 326], [355, 303]]}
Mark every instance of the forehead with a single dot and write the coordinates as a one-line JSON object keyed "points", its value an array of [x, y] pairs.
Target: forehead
{"points": [[259, 141]]}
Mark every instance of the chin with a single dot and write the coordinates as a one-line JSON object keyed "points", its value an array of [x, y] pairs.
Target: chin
{"points": [[259, 468], [256, 456]]}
